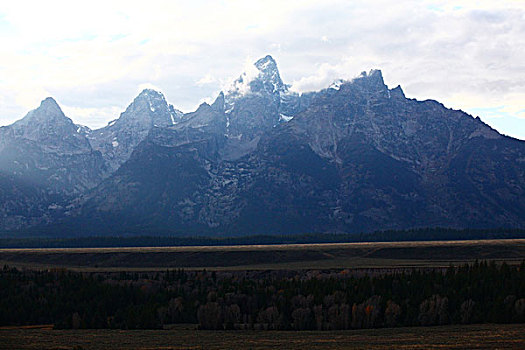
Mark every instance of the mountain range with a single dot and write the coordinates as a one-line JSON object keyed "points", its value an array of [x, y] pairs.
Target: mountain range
{"points": [[261, 159]]}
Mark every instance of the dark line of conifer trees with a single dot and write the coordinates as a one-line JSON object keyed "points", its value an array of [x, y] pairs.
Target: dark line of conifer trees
{"points": [[288, 300], [423, 234]]}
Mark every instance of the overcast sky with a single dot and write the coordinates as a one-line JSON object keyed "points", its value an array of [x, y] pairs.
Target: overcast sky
{"points": [[95, 57]]}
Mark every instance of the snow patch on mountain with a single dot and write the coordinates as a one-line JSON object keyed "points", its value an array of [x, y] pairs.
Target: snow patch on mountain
{"points": [[336, 85], [285, 118]]}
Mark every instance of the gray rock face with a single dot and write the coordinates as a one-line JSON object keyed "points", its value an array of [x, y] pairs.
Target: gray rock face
{"points": [[50, 128], [46, 149], [43, 161], [399, 163], [254, 103], [118, 139], [420, 133], [356, 156]]}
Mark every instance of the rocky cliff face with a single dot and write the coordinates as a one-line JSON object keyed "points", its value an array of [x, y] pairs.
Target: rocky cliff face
{"points": [[44, 162], [118, 139], [354, 157], [399, 163]]}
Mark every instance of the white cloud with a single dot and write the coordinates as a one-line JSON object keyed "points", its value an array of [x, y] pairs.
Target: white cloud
{"points": [[241, 84], [205, 80], [94, 56]]}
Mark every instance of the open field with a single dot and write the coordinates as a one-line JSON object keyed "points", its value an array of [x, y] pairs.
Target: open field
{"points": [[294, 256], [446, 337]]}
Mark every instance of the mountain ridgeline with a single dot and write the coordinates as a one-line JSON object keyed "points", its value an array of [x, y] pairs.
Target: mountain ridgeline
{"points": [[262, 159]]}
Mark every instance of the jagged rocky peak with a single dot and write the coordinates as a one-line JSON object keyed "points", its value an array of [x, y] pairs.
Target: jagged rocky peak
{"points": [[263, 78], [49, 110], [269, 75], [49, 125], [397, 92], [151, 94], [49, 104], [218, 104], [267, 64], [48, 148], [151, 100], [203, 107], [118, 139], [373, 80], [375, 73], [150, 107], [371, 83]]}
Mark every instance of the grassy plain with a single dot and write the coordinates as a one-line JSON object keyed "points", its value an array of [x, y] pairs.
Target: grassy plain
{"points": [[444, 337], [375, 255]]}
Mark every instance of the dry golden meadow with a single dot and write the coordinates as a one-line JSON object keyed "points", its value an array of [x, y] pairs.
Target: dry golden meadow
{"points": [[270, 257]]}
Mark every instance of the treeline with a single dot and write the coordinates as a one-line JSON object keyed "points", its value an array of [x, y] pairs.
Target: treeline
{"points": [[287, 300], [426, 234]]}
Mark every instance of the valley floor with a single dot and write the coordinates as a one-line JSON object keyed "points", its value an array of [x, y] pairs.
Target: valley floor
{"points": [[487, 336], [365, 256]]}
